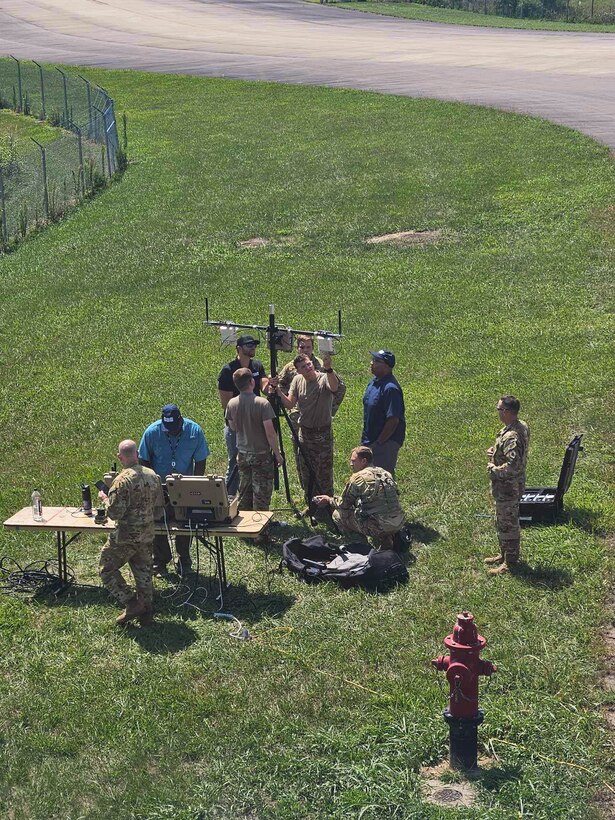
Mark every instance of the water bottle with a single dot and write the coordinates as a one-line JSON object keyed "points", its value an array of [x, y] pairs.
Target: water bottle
{"points": [[37, 506]]}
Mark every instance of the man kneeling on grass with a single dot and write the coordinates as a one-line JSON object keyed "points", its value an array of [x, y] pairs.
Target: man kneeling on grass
{"points": [[369, 505], [251, 417]]}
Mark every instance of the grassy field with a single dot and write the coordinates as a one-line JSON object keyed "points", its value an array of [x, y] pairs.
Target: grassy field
{"points": [[433, 14], [332, 709]]}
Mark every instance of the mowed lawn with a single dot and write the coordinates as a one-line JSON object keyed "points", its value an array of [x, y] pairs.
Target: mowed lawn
{"points": [[333, 708]]}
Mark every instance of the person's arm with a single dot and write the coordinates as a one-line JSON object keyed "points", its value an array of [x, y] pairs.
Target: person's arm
{"points": [[330, 373], [200, 454], [513, 461], [272, 440], [387, 431], [145, 456], [117, 502], [229, 419], [225, 397], [393, 413], [288, 401]]}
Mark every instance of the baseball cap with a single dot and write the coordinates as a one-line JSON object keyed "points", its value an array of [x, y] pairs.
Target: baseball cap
{"points": [[247, 340], [171, 418], [384, 356]]}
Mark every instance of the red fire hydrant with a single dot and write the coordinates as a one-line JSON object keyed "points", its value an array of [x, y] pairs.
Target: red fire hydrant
{"points": [[463, 667]]}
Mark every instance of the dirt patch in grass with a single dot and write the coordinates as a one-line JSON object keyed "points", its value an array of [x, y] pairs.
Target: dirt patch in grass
{"points": [[261, 242], [448, 789], [425, 237]]}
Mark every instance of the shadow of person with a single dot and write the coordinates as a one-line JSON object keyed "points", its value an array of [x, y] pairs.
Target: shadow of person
{"points": [[163, 637], [546, 576]]}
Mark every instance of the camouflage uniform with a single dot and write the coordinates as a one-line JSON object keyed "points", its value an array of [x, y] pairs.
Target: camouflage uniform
{"points": [[507, 477], [285, 376], [369, 507], [317, 447], [256, 472], [132, 504]]}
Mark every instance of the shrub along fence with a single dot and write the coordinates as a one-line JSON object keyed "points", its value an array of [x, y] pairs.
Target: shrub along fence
{"points": [[39, 186], [572, 11]]}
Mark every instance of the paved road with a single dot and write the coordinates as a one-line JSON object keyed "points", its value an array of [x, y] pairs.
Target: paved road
{"points": [[566, 77]]}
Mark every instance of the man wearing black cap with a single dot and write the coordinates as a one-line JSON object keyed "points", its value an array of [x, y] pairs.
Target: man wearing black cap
{"points": [[246, 350], [384, 419], [173, 444]]}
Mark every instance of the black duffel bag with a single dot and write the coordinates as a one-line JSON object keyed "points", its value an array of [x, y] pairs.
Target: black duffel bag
{"points": [[313, 560]]}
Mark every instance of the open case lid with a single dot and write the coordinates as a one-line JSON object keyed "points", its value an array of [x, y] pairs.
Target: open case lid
{"points": [[570, 462]]}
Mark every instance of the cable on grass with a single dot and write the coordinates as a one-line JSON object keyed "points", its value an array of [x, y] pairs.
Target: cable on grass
{"points": [[33, 577], [556, 760]]}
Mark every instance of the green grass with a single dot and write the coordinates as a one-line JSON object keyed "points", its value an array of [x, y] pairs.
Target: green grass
{"points": [[333, 708], [18, 130], [433, 14]]}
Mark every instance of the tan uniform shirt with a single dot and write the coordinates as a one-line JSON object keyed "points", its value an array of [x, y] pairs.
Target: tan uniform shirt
{"points": [[314, 400], [248, 411]]}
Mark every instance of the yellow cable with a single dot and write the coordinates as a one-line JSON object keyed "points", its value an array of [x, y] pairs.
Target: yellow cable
{"points": [[550, 759]]}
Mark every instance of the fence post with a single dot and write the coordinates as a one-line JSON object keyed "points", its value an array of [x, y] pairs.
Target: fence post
{"points": [[4, 235], [20, 100], [66, 115], [42, 79], [45, 189], [81, 167], [88, 91]]}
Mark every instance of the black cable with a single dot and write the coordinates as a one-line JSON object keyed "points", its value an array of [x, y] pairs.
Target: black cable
{"points": [[33, 577]]}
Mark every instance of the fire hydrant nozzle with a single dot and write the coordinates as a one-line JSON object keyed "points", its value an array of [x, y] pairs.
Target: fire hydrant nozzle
{"points": [[463, 667]]}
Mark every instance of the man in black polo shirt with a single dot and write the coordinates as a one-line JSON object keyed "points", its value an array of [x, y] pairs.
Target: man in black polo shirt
{"points": [[246, 350]]}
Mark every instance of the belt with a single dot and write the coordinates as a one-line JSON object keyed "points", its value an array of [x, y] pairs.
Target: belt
{"points": [[324, 429]]}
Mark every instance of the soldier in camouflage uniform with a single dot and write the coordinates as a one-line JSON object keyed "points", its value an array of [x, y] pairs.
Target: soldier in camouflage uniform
{"points": [[506, 469], [369, 506], [251, 417], [312, 392], [286, 375], [134, 501]]}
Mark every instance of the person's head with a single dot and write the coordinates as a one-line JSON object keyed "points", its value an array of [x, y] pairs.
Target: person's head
{"points": [[172, 419], [360, 458], [127, 453], [246, 346], [508, 409], [383, 362], [243, 379], [305, 345], [304, 366]]}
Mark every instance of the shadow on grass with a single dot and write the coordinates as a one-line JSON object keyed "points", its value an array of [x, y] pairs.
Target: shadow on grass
{"points": [[494, 778], [545, 576], [164, 637], [587, 520], [422, 533]]}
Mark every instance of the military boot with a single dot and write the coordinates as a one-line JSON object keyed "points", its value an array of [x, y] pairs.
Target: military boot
{"points": [[510, 549], [495, 559], [134, 609], [147, 618]]}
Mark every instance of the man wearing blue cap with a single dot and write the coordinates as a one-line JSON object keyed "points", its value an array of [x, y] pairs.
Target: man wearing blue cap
{"points": [[173, 444], [384, 415]]}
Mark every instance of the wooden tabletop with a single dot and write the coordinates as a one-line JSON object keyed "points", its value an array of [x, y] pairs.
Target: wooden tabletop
{"points": [[247, 524]]}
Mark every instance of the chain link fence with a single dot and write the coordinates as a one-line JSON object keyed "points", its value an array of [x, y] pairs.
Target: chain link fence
{"points": [[38, 186]]}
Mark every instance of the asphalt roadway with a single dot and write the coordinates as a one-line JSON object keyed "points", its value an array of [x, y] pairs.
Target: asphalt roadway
{"points": [[566, 77]]}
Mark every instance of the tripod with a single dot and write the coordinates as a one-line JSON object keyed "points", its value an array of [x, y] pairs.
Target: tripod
{"points": [[275, 336]]}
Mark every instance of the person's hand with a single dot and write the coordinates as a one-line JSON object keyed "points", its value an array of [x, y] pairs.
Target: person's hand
{"points": [[490, 452], [273, 381], [278, 459], [326, 360], [321, 500], [103, 496]]}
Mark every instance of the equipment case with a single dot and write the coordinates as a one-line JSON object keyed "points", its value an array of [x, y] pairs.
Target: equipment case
{"points": [[546, 503]]}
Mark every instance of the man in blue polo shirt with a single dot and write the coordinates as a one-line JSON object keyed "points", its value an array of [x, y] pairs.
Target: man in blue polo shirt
{"points": [[384, 415], [173, 444]]}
